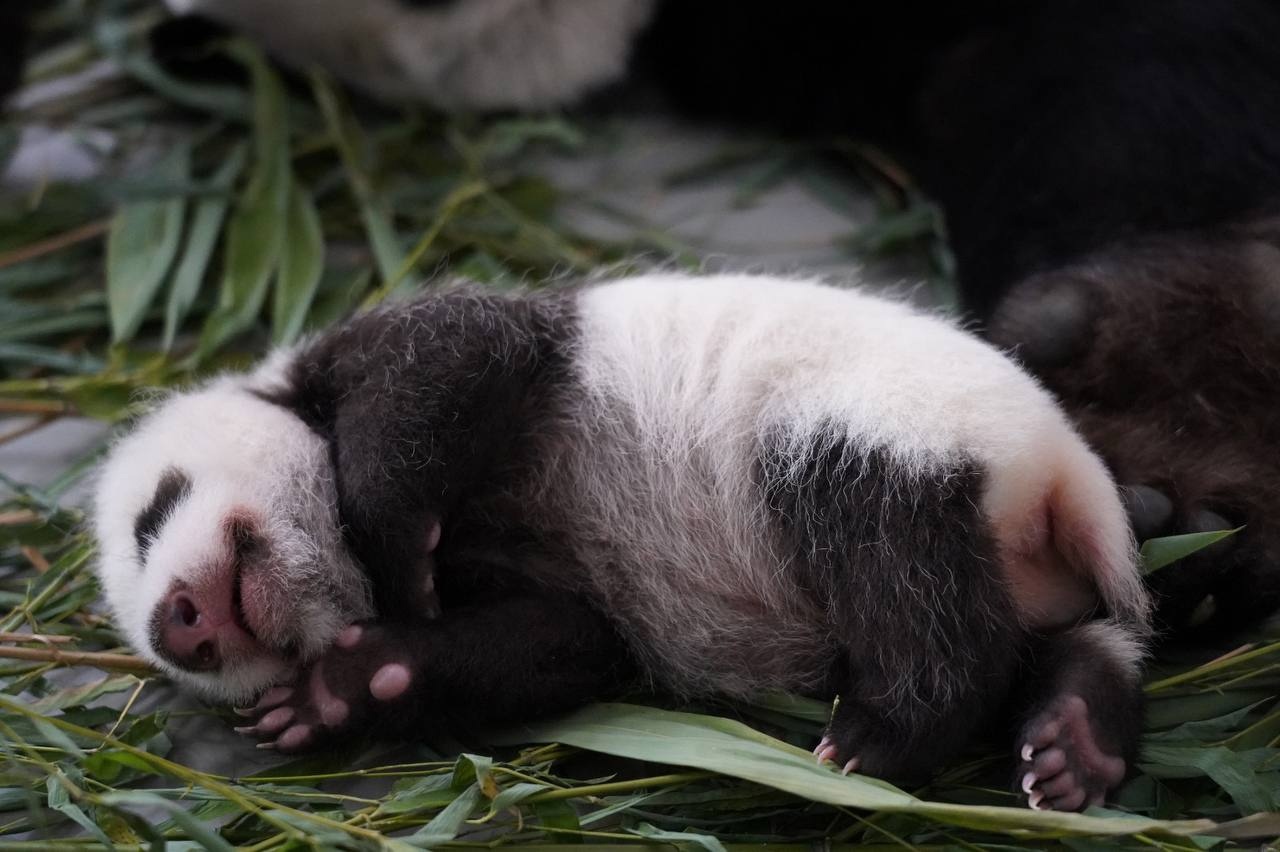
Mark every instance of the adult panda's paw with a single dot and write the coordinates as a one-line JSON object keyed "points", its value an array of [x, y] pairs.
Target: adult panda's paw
{"points": [[367, 673]]}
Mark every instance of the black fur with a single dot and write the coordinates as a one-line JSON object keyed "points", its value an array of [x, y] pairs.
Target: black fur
{"points": [[15, 33], [910, 577], [424, 406], [421, 404], [173, 488]]}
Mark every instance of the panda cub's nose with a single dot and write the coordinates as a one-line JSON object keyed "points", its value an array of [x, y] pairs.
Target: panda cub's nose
{"points": [[188, 635]]}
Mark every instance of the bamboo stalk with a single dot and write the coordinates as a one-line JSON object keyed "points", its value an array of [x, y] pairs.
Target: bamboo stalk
{"points": [[97, 659], [43, 638], [27, 428], [36, 558], [57, 242], [18, 517], [42, 407]]}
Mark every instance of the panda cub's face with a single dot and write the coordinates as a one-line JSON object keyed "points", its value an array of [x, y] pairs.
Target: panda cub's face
{"points": [[222, 556]]}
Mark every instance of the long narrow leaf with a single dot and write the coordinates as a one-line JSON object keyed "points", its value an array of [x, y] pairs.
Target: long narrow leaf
{"points": [[141, 245], [206, 225], [255, 234], [733, 749], [301, 264]]}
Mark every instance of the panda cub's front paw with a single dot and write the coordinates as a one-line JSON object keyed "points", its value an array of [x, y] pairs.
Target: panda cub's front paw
{"points": [[368, 672]]}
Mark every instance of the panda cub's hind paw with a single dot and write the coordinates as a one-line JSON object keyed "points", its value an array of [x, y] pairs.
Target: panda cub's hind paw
{"points": [[367, 672], [1062, 764]]}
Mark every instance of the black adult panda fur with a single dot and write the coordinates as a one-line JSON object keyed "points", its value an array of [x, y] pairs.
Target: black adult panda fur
{"points": [[1109, 171], [479, 508]]}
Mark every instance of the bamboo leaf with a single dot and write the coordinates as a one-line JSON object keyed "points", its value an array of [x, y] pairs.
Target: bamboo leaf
{"points": [[255, 233], [206, 225], [199, 831], [376, 213], [141, 245], [301, 264], [681, 839], [733, 749], [60, 801], [1160, 552], [445, 826]]}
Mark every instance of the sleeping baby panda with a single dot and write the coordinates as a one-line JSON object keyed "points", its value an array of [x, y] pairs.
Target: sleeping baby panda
{"points": [[483, 507]]}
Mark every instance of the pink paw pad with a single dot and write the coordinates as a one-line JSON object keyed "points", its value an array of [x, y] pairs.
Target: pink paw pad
{"points": [[1063, 766], [390, 681], [349, 637]]}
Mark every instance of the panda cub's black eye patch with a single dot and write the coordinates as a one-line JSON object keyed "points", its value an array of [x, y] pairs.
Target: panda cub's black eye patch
{"points": [[173, 488]]}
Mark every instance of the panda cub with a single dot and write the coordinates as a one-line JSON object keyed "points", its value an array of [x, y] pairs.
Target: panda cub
{"points": [[482, 507]]}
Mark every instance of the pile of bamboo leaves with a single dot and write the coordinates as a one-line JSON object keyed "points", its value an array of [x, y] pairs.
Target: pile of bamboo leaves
{"points": [[271, 204]]}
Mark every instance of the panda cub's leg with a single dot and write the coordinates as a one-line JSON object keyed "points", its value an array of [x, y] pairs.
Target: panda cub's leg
{"points": [[1082, 711], [901, 558], [492, 661]]}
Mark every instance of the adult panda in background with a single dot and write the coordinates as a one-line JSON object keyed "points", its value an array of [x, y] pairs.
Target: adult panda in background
{"points": [[454, 54], [479, 508]]}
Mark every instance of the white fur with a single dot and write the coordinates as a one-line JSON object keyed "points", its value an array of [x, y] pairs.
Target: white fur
{"points": [[473, 54], [240, 452], [683, 379]]}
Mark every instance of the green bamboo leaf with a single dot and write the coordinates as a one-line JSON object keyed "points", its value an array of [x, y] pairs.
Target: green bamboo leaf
{"points": [[255, 234], [445, 826], [75, 696], [1236, 772], [681, 839], [206, 225], [514, 795], [198, 830], [141, 245], [1160, 552], [301, 264], [60, 801], [733, 749], [560, 814], [419, 794], [388, 252]]}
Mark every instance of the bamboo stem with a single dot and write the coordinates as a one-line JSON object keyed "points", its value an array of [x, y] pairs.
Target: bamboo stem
{"points": [[43, 638], [97, 659], [57, 242]]}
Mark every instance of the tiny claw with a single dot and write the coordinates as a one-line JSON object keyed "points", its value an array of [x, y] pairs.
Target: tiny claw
{"points": [[245, 711], [828, 754], [246, 729], [271, 746], [850, 766], [1028, 781], [1028, 752], [1035, 800], [823, 743]]}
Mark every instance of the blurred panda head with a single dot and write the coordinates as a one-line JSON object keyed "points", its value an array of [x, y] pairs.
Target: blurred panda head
{"points": [[221, 553], [454, 54]]}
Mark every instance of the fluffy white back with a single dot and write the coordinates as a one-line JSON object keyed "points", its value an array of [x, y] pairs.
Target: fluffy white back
{"points": [[730, 358]]}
